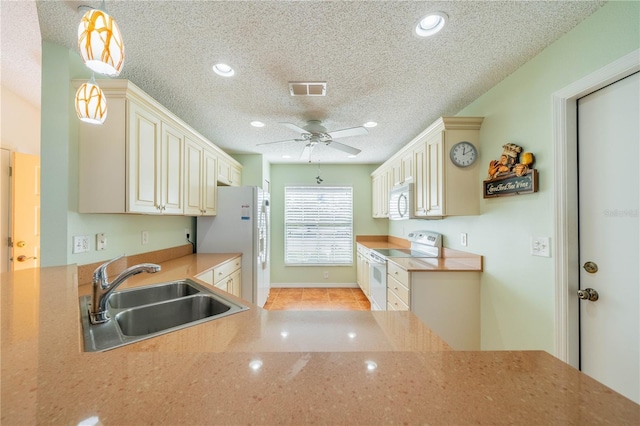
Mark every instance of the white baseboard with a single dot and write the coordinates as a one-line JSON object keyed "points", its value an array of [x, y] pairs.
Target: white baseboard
{"points": [[314, 285]]}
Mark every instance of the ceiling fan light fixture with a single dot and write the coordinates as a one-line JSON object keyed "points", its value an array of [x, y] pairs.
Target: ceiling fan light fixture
{"points": [[370, 124], [223, 70], [91, 103], [100, 43], [431, 24]]}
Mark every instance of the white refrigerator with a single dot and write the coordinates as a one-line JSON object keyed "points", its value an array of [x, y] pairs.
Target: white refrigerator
{"points": [[241, 225]]}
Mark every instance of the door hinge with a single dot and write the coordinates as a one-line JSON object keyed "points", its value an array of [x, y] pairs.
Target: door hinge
{"points": [[10, 171], [9, 242]]}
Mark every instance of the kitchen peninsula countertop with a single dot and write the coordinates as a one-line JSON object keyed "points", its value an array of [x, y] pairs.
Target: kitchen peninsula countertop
{"points": [[327, 367]]}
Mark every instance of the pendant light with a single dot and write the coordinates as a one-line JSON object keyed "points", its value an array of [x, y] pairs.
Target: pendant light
{"points": [[91, 103], [100, 42]]}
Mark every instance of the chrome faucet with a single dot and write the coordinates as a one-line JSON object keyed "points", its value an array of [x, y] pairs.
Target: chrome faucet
{"points": [[102, 288]]}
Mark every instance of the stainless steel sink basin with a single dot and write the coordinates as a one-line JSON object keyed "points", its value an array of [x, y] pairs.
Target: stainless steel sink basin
{"points": [[162, 316], [144, 312], [146, 295]]}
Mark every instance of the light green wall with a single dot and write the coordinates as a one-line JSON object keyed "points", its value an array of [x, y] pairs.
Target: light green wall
{"points": [[517, 288], [255, 169], [357, 176], [59, 149]]}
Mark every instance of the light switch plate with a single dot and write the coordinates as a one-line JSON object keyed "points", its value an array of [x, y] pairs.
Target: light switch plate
{"points": [[540, 246], [80, 244], [101, 241], [463, 239], [145, 237]]}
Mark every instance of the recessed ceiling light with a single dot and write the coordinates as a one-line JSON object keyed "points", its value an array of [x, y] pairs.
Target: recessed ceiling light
{"points": [[223, 70], [431, 24], [286, 156], [370, 124], [351, 156], [257, 124]]}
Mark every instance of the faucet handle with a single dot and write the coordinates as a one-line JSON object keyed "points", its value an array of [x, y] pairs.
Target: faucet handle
{"points": [[101, 271]]}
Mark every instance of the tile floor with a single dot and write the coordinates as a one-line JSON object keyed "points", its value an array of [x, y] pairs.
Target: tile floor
{"points": [[317, 299]]}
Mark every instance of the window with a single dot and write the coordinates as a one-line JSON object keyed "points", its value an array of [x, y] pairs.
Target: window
{"points": [[318, 225]]}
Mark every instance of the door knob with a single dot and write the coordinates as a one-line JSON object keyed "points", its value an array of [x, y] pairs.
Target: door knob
{"points": [[588, 294]]}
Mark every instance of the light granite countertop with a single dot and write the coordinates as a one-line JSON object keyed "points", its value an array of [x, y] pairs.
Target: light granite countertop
{"points": [[272, 367]]}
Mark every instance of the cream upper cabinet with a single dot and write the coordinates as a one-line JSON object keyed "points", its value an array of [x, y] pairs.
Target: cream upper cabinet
{"points": [[138, 160], [440, 187], [380, 194], [155, 164], [420, 179], [229, 173], [200, 179], [435, 175], [143, 150]]}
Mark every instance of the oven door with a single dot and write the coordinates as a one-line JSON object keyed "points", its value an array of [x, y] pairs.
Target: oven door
{"points": [[378, 284]]}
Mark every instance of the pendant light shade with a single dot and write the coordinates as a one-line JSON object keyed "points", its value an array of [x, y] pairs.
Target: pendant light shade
{"points": [[100, 43], [91, 103]]}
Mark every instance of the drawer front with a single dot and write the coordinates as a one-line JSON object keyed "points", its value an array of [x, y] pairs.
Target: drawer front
{"points": [[224, 270], [206, 276], [394, 302], [400, 291], [398, 273]]}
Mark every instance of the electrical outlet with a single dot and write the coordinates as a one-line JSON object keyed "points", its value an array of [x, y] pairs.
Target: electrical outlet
{"points": [[101, 241], [463, 239], [80, 244], [326, 275], [145, 237], [540, 246]]}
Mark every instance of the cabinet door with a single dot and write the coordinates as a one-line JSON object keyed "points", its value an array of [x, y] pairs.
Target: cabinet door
{"points": [[171, 169], [143, 149], [407, 167], [223, 171], [235, 283], [435, 175], [209, 183], [420, 180], [193, 154], [235, 176]]}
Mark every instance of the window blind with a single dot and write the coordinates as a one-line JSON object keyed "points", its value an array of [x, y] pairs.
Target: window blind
{"points": [[318, 225]]}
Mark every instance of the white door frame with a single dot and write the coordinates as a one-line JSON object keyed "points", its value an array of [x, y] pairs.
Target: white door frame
{"points": [[565, 141]]}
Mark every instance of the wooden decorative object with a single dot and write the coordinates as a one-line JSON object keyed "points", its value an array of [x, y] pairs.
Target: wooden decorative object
{"points": [[511, 175]]}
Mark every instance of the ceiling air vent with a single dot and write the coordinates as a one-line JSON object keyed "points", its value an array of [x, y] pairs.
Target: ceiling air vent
{"points": [[308, 88]]}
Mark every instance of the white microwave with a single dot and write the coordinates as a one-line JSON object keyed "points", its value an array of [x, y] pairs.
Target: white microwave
{"points": [[401, 202]]}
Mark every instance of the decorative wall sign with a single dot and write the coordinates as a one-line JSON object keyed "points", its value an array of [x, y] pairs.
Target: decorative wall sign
{"points": [[511, 175], [511, 185]]}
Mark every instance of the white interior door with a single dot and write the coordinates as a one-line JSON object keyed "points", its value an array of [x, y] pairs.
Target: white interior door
{"points": [[609, 188]]}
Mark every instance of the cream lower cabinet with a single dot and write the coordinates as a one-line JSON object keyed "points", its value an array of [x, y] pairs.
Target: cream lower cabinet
{"points": [[226, 277], [362, 269], [447, 302], [200, 179]]}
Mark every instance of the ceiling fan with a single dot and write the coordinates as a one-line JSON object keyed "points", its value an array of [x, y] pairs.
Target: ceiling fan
{"points": [[314, 133]]}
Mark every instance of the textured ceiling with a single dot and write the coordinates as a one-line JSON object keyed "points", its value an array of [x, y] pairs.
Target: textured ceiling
{"points": [[375, 68]]}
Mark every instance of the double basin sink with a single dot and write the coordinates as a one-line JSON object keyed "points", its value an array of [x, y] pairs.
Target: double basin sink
{"points": [[143, 312]]}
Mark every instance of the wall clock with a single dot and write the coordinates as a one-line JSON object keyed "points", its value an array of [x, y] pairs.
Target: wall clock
{"points": [[463, 154]]}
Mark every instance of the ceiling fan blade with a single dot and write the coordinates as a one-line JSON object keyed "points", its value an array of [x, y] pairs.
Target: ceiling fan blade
{"points": [[353, 131], [286, 140], [294, 127], [344, 148], [306, 152]]}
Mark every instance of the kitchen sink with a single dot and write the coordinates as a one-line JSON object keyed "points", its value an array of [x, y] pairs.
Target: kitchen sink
{"points": [[144, 312]]}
